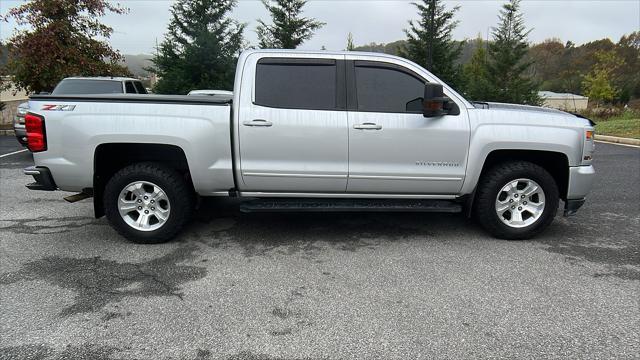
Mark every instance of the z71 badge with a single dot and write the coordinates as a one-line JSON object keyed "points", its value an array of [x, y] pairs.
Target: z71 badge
{"points": [[58, 107]]}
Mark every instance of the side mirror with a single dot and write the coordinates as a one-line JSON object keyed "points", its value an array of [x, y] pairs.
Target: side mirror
{"points": [[435, 103]]}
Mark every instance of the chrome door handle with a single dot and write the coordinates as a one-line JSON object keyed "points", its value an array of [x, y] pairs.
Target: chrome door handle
{"points": [[367, 126], [257, 122]]}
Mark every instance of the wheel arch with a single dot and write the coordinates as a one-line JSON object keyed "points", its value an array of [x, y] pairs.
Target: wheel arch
{"points": [[556, 163], [108, 158]]}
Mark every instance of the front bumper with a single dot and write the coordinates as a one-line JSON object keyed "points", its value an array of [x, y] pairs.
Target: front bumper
{"points": [[571, 206], [43, 179], [580, 183]]}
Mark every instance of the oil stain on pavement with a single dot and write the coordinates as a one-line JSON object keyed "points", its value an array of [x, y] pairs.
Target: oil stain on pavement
{"points": [[47, 225], [98, 282]]}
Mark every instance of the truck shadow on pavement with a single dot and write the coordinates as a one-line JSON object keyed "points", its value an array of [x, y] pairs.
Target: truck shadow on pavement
{"points": [[219, 223]]}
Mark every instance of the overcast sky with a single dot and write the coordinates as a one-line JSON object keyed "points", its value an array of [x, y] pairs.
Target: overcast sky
{"points": [[383, 20]]}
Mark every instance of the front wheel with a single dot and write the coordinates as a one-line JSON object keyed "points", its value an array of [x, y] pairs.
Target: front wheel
{"points": [[148, 203], [516, 200]]}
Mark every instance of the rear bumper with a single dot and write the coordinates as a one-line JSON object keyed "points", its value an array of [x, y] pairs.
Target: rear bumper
{"points": [[43, 179]]}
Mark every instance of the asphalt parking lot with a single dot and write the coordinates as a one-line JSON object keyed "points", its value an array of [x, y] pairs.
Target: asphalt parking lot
{"points": [[320, 286]]}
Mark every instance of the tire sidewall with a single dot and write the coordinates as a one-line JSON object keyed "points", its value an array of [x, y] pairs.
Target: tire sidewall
{"points": [[112, 193], [544, 179]]}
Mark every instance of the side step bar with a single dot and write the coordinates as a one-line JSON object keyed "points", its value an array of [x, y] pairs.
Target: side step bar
{"points": [[348, 205]]}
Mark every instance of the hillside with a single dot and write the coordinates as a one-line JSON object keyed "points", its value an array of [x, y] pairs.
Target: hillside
{"points": [[137, 64]]}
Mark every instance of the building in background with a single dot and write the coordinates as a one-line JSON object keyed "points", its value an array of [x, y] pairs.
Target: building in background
{"points": [[564, 101], [11, 98]]}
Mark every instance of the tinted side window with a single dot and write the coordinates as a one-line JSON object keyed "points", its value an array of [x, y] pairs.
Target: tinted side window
{"points": [[388, 89], [139, 87], [129, 87], [296, 83], [86, 86]]}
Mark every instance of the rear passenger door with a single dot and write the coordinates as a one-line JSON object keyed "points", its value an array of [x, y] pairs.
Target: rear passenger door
{"points": [[293, 134]]}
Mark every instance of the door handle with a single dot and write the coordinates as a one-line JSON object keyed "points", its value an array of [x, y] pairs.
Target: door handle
{"points": [[367, 126], [257, 122]]}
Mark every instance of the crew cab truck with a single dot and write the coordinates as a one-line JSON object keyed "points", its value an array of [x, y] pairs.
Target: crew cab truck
{"points": [[318, 131]]}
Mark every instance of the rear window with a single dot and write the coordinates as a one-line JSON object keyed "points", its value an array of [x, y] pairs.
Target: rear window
{"points": [[129, 87], [139, 87], [79, 86], [296, 83]]}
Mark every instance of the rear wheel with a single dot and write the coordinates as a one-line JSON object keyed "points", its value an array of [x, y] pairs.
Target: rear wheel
{"points": [[148, 203], [516, 200]]}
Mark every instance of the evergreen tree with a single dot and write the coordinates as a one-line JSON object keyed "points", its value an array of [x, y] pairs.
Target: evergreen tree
{"points": [[350, 45], [429, 41], [200, 48], [477, 87], [289, 28], [507, 65]]}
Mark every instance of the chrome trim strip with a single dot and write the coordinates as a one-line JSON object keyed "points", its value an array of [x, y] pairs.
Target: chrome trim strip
{"points": [[346, 195], [358, 177], [385, 177], [218, 193], [325, 176]]}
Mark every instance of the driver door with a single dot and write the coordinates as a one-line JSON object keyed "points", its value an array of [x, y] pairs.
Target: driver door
{"points": [[393, 148]]}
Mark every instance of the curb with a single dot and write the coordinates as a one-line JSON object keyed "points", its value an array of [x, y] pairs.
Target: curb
{"points": [[618, 140], [7, 133]]}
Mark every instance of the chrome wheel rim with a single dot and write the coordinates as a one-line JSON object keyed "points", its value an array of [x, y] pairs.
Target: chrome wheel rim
{"points": [[520, 203], [144, 206]]}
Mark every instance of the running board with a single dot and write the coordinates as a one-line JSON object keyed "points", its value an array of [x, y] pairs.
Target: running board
{"points": [[348, 205]]}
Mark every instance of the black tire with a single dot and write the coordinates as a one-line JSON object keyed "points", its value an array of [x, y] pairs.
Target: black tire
{"points": [[490, 185], [180, 195]]}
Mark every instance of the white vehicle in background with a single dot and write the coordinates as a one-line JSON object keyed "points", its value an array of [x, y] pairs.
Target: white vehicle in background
{"points": [[80, 86]]}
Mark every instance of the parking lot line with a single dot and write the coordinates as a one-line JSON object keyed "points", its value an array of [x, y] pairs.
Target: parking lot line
{"points": [[13, 153]]}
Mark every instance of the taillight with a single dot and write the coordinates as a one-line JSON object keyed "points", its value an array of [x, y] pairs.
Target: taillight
{"points": [[36, 136]]}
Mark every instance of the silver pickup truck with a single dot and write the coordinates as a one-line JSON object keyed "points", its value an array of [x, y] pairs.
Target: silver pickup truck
{"points": [[312, 131]]}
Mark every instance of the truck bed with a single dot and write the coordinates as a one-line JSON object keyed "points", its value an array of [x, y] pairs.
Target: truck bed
{"points": [[198, 125]]}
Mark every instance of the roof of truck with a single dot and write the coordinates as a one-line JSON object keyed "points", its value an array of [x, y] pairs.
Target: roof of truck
{"points": [[319, 52]]}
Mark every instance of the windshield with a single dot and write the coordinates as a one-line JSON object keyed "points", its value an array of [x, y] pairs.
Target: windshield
{"points": [[87, 86]]}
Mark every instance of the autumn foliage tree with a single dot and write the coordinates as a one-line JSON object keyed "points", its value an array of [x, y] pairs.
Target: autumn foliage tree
{"points": [[61, 40], [599, 83]]}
